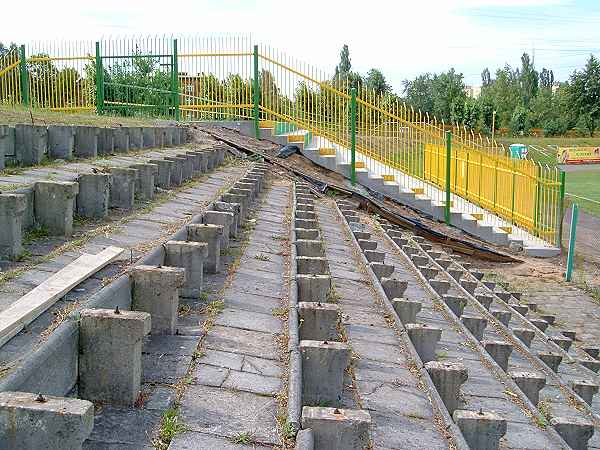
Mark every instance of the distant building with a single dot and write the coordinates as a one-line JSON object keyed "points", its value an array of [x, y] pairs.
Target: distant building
{"points": [[473, 91], [555, 87]]}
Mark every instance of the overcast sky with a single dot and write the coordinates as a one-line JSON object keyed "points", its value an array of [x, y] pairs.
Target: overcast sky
{"points": [[401, 38]]}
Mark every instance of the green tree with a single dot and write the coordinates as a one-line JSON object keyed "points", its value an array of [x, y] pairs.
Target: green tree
{"points": [[585, 94], [546, 78], [138, 85], [6, 49], [344, 77], [486, 78], [519, 121], [528, 80], [342, 70], [375, 81], [420, 92], [504, 93], [449, 90]]}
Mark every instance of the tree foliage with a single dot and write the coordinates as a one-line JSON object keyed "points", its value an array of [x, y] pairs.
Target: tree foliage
{"points": [[522, 99], [5, 49], [376, 82], [585, 94]]}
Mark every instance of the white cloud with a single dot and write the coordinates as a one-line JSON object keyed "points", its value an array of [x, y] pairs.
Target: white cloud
{"points": [[402, 38]]}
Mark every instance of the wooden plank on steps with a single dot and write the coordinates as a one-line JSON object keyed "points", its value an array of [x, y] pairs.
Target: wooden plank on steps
{"points": [[35, 302]]}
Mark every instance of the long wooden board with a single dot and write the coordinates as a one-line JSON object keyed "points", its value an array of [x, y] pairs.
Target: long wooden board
{"points": [[35, 302]]}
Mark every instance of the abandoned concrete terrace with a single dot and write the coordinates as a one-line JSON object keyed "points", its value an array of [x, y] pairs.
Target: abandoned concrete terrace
{"points": [[180, 287], [241, 251]]}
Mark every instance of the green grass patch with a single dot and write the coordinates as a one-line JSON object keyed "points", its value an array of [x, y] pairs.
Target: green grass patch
{"points": [[586, 185], [35, 234], [170, 426], [243, 438], [19, 114], [547, 146]]}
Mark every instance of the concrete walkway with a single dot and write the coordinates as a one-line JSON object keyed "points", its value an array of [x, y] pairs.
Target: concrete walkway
{"points": [[235, 383], [402, 414], [137, 236]]}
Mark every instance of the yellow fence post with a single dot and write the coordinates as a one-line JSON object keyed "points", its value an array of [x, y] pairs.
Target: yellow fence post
{"points": [[448, 166]]}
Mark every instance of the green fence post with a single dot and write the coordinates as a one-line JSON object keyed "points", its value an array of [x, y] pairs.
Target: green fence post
{"points": [[448, 166], [572, 236], [99, 81], [514, 184], [24, 76], [562, 209], [256, 91], [175, 81], [353, 135]]}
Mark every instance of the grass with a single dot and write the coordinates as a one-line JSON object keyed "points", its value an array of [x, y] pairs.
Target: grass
{"points": [[279, 312], [25, 255], [584, 184], [287, 430], [548, 144], [544, 409], [214, 308], [243, 438], [18, 114], [262, 257], [546, 141], [35, 234], [170, 427]]}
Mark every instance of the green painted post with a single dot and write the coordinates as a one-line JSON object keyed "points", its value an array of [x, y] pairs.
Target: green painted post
{"points": [[353, 135], [563, 179], [99, 81], [175, 81], [24, 76], [448, 166], [256, 91], [572, 237]]}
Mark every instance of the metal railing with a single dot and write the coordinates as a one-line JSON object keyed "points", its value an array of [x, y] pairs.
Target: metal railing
{"points": [[10, 78], [227, 78]]}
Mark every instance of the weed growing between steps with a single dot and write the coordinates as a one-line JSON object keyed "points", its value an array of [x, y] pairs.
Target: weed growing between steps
{"points": [[243, 438], [170, 426], [285, 429], [35, 234]]}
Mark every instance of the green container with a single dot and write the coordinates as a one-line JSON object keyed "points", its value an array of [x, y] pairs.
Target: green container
{"points": [[518, 151]]}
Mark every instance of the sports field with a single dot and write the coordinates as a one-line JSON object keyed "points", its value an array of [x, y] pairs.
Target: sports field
{"points": [[582, 182]]}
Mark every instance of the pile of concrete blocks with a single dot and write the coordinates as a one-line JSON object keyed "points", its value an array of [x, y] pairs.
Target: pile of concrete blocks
{"points": [[319, 357], [52, 204], [497, 304], [29, 145]]}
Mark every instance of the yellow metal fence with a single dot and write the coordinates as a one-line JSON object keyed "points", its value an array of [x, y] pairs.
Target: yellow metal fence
{"points": [[10, 83], [227, 78]]}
